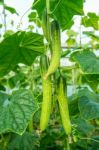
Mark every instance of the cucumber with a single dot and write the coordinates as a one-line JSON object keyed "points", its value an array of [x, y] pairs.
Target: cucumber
{"points": [[46, 104], [44, 23], [47, 96], [44, 63], [63, 106], [56, 48]]}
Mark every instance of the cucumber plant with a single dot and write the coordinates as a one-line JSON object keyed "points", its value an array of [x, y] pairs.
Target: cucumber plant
{"points": [[46, 102]]}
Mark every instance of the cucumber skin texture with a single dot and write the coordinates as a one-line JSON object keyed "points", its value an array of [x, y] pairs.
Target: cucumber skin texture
{"points": [[44, 23], [46, 104], [47, 94], [43, 64], [64, 111], [56, 48]]}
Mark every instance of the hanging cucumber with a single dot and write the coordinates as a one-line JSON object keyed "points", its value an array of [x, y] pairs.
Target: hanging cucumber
{"points": [[47, 95], [44, 23], [63, 105], [56, 48]]}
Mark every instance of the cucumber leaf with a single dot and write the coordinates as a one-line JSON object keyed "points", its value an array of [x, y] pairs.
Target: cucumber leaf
{"points": [[87, 61], [16, 111], [25, 142], [21, 47], [92, 80], [84, 128], [89, 109], [75, 98]]}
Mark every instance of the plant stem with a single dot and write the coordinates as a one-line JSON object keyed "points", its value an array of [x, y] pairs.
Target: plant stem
{"points": [[69, 143], [48, 6], [68, 146]]}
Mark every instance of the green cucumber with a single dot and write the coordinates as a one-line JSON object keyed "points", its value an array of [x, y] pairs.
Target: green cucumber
{"points": [[56, 48], [63, 106], [43, 64], [44, 23], [47, 96]]}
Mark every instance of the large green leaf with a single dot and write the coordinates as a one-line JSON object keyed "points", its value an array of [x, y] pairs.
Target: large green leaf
{"points": [[87, 61], [73, 105], [89, 109], [8, 33], [83, 127], [91, 20], [27, 141], [74, 99], [16, 111], [92, 80], [21, 47], [63, 10]]}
